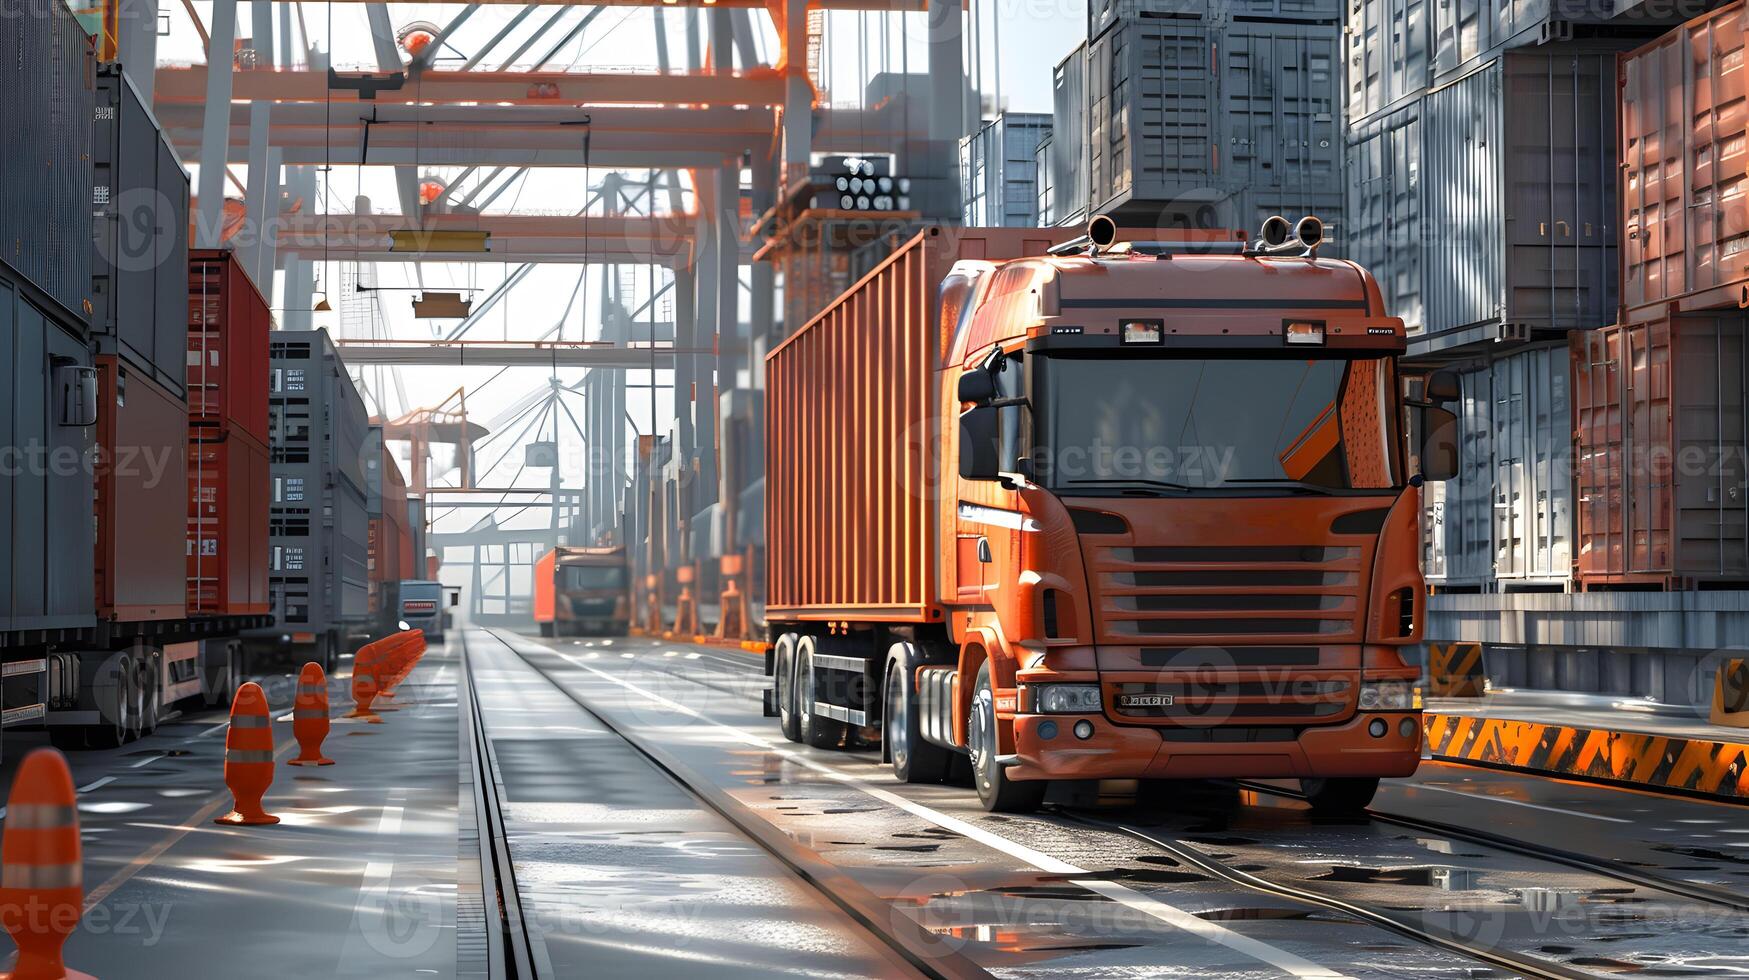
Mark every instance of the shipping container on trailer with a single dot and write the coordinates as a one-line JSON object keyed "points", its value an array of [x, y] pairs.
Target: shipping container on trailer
{"points": [[141, 495], [1485, 207], [140, 214], [230, 487], [1682, 133], [228, 323], [50, 398], [1182, 135], [1038, 596], [1662, 454], [319, 523], [47, 72], [1506, 521]]}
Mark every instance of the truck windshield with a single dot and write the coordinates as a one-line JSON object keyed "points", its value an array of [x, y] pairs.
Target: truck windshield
{"points": [[575, 577], [1183, 424]]}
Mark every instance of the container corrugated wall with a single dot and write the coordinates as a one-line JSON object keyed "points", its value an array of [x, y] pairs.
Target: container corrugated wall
{"points": [[229, 491], [1070, 166], [227, 326], [1102, 15], [140, 204], [998, 176], [1390, 53], [1661, 448], [1506, 521], [46, 75], [1683, 132], [1487, 204], [46, 532]]}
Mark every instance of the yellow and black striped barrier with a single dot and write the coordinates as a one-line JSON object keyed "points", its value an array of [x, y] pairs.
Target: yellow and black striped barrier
{"points": [[1454, 670], [1731, 694], [1654, 762]]}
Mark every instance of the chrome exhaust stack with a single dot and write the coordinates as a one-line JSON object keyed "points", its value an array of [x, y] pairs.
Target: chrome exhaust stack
{"points": [[1277, 237]]}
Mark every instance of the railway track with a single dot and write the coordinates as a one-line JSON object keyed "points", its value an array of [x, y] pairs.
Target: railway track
{"points": [[913, 949], [1603, 867]]}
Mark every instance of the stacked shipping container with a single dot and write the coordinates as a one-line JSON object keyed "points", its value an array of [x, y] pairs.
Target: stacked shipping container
{"points": [[229, 485], [1199, 115], [998, 171], [391, 537]]}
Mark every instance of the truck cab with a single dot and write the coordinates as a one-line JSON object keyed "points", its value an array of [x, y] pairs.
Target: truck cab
{"points": [[420, 606], [579, 590]]}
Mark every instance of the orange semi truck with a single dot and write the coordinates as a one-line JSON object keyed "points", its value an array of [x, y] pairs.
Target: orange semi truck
{"points": [[1119, 511], [583, 590]]}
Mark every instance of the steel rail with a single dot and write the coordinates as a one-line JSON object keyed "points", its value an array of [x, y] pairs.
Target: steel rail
{"points": [[510, 953]]}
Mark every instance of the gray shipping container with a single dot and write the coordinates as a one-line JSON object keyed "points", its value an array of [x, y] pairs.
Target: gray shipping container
{"points": [[1390, 54], [1102, 15], [140, 204], [46, 530], [998, 171], [1070, 189], [319, 532], [1506, 522], [46, 66], [1492, 200], [1185, 114]]}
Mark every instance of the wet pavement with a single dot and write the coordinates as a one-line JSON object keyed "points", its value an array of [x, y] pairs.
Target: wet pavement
{"points": [[623, 869]]}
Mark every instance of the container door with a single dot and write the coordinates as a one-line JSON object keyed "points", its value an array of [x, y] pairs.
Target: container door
{"points": [[1599, 448], [1646, 353], [1709, 469], [1510, 488]]}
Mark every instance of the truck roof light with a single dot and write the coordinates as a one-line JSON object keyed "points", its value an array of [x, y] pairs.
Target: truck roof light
{"points": [[1309, 332], [1144, 331]]}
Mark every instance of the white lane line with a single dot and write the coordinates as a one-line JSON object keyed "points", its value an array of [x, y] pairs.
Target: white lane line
{"points": [[96, 784], [1148, 905], [143, 763], [391, 821], [694, 656], [221, 726], [1502, 799]]}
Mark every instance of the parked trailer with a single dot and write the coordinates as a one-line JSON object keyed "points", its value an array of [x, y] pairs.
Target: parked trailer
{"points": [[954, 581], [319, 575], [583, 590]]}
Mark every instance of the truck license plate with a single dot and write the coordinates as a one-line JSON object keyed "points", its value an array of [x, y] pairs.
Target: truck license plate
{"points": [[1144, 700]]}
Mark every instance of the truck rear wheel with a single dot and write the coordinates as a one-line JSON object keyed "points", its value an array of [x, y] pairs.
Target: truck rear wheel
{"points": [[914, 759], [996, 791], [819, 731], [784, 668], [1345, 797]]}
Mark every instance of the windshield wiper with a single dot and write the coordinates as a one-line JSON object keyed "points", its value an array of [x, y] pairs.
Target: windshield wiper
{"points": [[1135, 485], [1297, 485]]}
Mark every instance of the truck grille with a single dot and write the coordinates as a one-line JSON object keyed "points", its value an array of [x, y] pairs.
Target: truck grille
{"points": [[1196, 702], [1262, 593]]}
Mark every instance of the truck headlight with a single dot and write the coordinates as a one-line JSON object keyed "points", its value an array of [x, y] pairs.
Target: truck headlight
{"points": [[1066, 699], [1386, 696]]}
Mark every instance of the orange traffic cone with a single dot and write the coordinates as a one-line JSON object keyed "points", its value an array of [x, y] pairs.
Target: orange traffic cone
{"points": [[364, 682], [249, 757], [310, 717], [409, 648], [42, 890]]}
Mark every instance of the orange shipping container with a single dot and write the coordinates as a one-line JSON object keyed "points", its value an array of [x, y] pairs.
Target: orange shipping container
{"points": [[853, 396], [141, 495], [1659, 432], [229, 491], [1683, 127]]}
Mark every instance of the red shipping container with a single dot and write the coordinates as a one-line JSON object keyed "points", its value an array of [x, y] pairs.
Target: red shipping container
{"points": [[1659, 430], [1683, 127], [141, 484], [230, 488], [228, 322]]}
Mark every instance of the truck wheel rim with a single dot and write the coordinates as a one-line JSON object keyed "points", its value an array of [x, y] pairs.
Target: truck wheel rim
{"points": [[981, 736], [898, 726]]}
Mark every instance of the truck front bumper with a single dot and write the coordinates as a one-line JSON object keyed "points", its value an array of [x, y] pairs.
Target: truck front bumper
{"points": [[1349, 748]]}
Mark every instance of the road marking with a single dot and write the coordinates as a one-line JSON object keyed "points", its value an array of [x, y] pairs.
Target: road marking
{"points": [[694, 656], [1148, 905], [143, 763], [1502, 799], [96, 784], [221, 726]]}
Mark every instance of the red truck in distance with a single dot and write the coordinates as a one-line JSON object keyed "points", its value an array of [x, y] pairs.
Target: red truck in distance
{"points": [[1119, 511]]}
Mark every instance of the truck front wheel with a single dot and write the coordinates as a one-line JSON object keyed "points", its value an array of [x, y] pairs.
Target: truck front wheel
{"points": [[915, 760], [784, 669], [1347, 797], [818, 731], [996, 791]]}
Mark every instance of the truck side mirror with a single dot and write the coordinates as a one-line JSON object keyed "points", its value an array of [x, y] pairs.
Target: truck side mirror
{"points": [[980, 444], [977, 386], [77, 387], [1442, 387], [1439, 444]]}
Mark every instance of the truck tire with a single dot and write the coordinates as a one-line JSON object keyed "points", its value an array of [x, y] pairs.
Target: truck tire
{"points": [[115, 708], [818, 731], [548, 629], [784, 680], [151, 695], [1344, 797], [914, 759], [996, 791]]}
